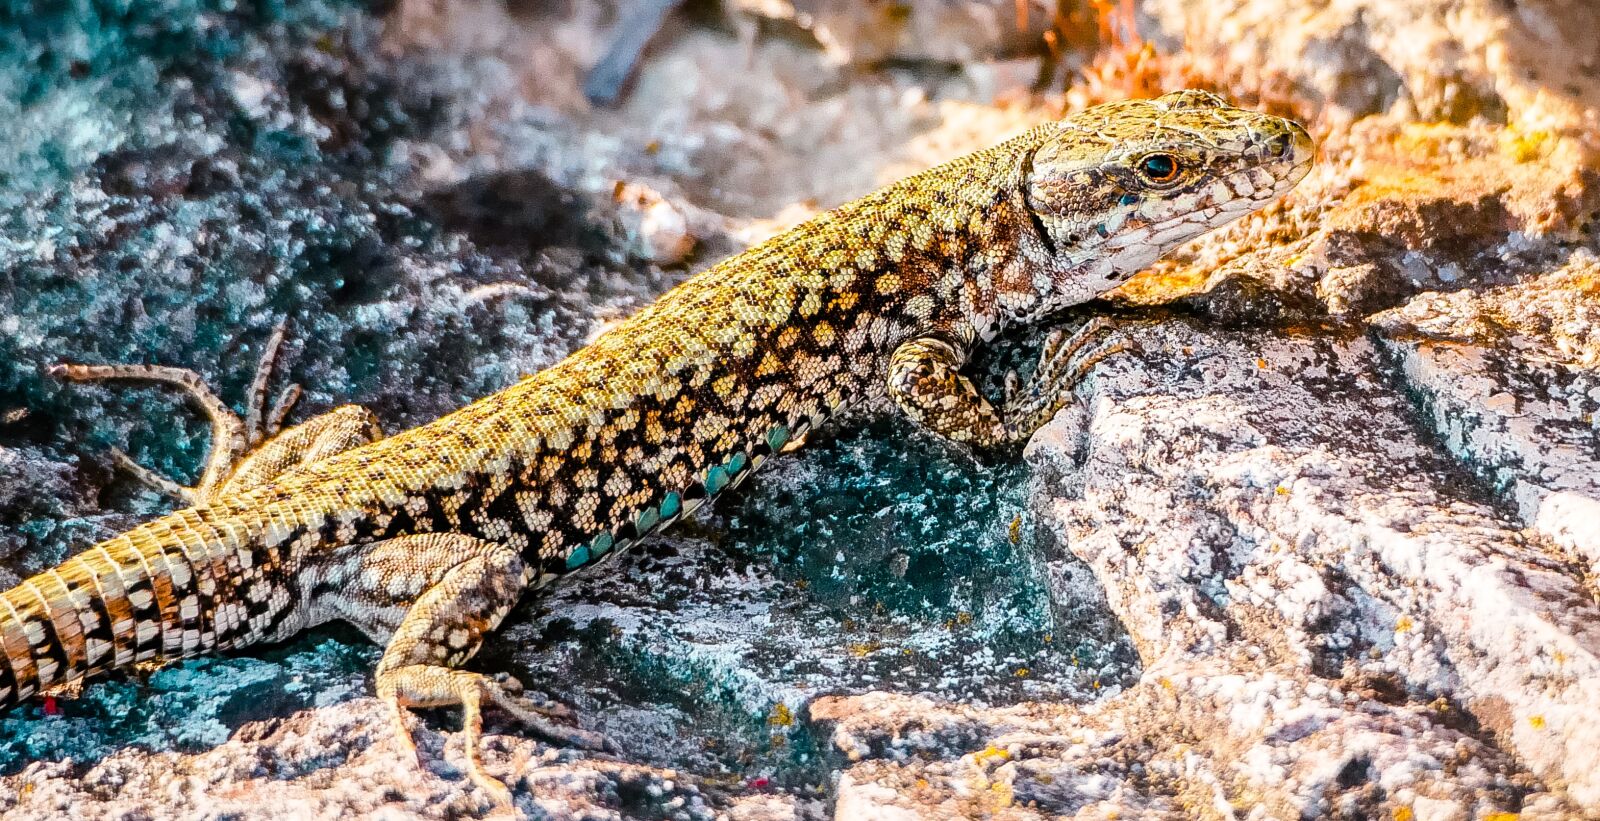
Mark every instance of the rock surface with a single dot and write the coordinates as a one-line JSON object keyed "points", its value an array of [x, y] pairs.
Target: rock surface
{"points": [[1323, 544], [919, 30], [1330, 619], [1533, 64]]}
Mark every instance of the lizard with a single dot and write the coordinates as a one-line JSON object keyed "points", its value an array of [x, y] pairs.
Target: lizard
{"points": [[424, 540]]}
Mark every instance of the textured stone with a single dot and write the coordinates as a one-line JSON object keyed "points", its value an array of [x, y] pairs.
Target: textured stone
{"points": [[1508, 379], [1532, 63], [1326, 623], [941, 31]]}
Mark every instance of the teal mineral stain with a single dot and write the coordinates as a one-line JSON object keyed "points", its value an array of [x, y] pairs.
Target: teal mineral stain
{"points": [[601, 544], [778, 437], [716, 480], [671, 505], [578, 558], [844, 517]]}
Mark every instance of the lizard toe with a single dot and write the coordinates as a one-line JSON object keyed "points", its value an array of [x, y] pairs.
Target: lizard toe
{"points": [[538, 717], [512, 688]]}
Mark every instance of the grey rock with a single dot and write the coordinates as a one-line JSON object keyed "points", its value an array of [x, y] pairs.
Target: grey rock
{"points": [[1329, 621], [939, 31], [1507, 379], [1438, 60]]}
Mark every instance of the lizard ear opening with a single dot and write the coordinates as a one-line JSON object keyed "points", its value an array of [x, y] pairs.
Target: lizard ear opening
{"points": [[1061, 183]]}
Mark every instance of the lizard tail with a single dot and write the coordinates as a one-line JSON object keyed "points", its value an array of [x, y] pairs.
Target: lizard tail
{"points": [[147, 594]]}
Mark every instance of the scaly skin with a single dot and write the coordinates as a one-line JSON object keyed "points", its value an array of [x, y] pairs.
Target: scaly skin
{"points": [[426, 539]]}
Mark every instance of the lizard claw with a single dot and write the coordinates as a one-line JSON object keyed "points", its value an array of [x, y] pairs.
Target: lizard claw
{"points": [[505, 692], [1013, 387], [1052, 344], [401, 719], [549, 708]]}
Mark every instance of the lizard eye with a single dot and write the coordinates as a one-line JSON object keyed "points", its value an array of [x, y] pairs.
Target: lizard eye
{"points": [[1159, 167]]}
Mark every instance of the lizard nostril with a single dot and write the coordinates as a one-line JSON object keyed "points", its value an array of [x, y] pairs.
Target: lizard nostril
{"points": [[1281, 144]]}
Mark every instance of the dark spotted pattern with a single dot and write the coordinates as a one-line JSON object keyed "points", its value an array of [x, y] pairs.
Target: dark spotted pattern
{"points": [[658, 415]]}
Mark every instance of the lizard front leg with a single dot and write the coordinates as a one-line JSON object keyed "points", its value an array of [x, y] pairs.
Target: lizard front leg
{"points": [[925, 382], [431, 598]]}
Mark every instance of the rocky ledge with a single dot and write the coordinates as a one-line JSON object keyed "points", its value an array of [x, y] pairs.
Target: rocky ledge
{"points": [[1332, 619]]}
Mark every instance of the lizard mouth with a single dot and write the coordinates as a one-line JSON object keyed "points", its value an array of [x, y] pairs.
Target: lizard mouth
{"points": [[1250, 188]]}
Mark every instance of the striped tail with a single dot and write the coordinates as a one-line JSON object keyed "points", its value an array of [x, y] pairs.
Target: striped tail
{"points": [[164, 590]]}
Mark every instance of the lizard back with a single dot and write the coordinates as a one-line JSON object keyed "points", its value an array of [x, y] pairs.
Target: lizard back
{"points": [[570, 465], [883, 295]]}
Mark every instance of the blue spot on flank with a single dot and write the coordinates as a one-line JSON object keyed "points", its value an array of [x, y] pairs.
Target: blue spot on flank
{"points": [[601, 544], [1101, 230], [777, 437], [737, 463], [648, 518], [1129, 199], [671, 505], [578, 558], [716, 479]]}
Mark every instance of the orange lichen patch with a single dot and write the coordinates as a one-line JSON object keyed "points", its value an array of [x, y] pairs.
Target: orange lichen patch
{"points": [[862, 649], [963, 617], [781, 716], [991, 754], [1527, 146], [1427, 183], [1165, 281], [1586, 281], [1001, 795]]}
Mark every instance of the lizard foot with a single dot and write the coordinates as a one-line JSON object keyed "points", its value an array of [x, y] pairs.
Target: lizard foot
{"points": [[232, 436], [432, 686], [548, 707], [246, 451], [552, 720], [1064, 361], [455, 589]]}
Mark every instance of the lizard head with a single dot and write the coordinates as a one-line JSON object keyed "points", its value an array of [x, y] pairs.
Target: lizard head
{"points": [[1118, 185]]}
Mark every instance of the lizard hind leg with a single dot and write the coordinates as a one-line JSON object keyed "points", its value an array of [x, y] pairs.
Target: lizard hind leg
{"points": [[247, 451], [431, 598], [338, 430], [233, 438]]}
